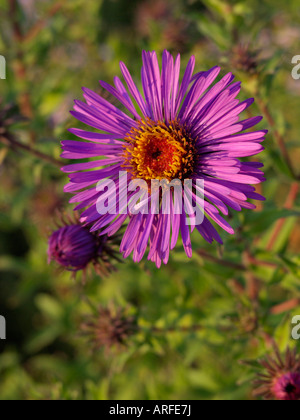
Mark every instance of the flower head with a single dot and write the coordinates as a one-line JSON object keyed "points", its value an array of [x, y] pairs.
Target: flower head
{"points": [[287, 387], [282, 378], [73, 247], [176, 132], [110, 328]]}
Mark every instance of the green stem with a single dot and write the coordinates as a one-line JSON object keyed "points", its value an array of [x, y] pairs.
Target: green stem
{"points": [[12, 143]]}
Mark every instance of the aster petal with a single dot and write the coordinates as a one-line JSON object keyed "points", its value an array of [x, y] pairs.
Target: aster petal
{"points": [[131, 232], [152, 84], [185, 235], [122, 96], [155, 237], [227, 116], [90, 150], [146, 234], [134, 91], [175, 86], [115, 226], [106, 122], [175, 223], [166, 83], [95, 175], [166, 232], [197, 89], [185, 82], [208, 231], [94, 137], [107, 108], [72, 187], [211, 97], [219, 220], [90, 165]]}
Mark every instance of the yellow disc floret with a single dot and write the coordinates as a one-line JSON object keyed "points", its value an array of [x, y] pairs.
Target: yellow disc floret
{"points": [[155, 150]]}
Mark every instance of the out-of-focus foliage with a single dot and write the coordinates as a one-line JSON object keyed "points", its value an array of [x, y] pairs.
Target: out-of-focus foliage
{"points": [[242, 294]]}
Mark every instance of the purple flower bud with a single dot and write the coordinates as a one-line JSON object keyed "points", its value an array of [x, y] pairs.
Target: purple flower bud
{"points": [[287, 387], [281, 377], [72, 247]]}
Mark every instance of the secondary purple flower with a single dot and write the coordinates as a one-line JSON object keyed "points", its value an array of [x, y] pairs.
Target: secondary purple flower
{"points": [[287, 387], [281, 381], [174, 131], [73, 247]]}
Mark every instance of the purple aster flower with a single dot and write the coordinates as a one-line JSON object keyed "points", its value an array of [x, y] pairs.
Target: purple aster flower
{"points": [[73, 247], [281, 381], [173, 131]]}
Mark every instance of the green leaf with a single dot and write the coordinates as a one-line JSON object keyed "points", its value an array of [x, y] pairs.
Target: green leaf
{"points": [[259, 222], [279, 163]]}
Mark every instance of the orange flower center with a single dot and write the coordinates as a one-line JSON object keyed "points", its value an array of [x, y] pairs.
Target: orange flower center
{"points": [[157, 151]]}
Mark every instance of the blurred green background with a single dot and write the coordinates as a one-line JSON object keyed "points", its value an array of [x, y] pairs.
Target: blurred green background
{"points": [[242, 294]]}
